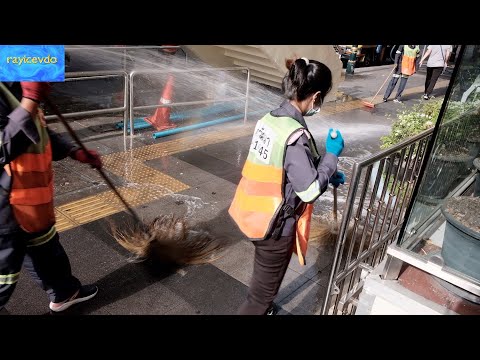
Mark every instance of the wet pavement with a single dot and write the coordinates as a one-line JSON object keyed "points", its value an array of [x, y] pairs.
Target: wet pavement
{"points": [[194, 174]]}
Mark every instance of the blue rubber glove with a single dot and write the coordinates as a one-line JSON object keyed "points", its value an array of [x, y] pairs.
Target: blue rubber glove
{"points": [[337, 179], [334, 146]]}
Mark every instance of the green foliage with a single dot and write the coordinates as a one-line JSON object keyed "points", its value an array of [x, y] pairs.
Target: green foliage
{"points": [[463, 117], [411, 122]]}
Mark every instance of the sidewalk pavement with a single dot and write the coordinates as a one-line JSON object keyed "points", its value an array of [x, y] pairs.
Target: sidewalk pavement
{"points": [[195, 174]]}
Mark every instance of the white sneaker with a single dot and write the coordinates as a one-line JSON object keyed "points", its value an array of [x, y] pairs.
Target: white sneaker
{"points": [[85, 293]]}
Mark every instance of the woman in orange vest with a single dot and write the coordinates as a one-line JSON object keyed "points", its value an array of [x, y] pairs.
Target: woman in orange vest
{"points": [[27, 220], [282, 177]]}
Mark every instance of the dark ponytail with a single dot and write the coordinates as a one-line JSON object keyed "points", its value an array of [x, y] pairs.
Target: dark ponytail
{"points": [[306, 77]]}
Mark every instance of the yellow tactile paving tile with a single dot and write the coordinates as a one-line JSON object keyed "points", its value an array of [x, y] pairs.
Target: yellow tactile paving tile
{"points": [[63, 222], [165, 148], [148, 184], [88, 209]]}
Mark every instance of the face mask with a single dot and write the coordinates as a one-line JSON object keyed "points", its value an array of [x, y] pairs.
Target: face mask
{"points": [[313, 111]]}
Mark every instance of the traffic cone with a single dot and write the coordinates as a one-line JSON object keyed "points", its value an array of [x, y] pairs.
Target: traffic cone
{"points": [[170, 51], [161, 119]]}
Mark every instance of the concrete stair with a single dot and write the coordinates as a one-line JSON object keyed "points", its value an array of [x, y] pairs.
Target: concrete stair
{"points": [[267, 62]]}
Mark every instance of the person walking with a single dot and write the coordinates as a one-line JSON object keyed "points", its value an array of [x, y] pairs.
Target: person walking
{"points": [[27, 220], [438, 56]]}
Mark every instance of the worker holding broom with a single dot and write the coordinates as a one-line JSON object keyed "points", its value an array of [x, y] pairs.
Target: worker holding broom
{"points": [[406, 59], [27, 220], [282, 177]]}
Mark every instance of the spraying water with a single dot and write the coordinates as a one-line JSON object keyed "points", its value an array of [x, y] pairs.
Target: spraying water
{"points": [[202, 93], [193, 82]]}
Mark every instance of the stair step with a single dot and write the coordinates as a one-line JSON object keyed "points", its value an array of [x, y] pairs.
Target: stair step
{"points": [[244, 49], [245, 57], [262, 80], [259, 68]]}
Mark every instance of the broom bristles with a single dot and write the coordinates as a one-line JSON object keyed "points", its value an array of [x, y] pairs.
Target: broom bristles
{"points": [[324, 234], [169, 239]]}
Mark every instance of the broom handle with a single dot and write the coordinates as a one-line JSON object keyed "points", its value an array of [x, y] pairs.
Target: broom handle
{"points": [[82, 146], [381, 87], [335, 218]]}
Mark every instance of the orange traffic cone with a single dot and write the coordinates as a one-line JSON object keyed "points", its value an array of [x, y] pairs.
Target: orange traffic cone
{"points": [[171, 51], [161, 119]]}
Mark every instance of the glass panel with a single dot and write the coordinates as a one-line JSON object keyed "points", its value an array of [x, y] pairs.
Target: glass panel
{"points": [[449, 172]]}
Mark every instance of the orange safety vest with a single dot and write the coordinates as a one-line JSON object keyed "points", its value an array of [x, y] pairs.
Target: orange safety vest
{"points": [[409, 59], [31, 195], [259, 197]]}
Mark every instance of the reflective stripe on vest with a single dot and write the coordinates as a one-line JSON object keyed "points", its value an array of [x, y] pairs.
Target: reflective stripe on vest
{"points": [[9, 279], [409, 59], [260, 193], [31, 195]]}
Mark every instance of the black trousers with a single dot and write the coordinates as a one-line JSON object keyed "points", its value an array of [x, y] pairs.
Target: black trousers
{"points": [[433, 74], [47, 263], [270, 265]]}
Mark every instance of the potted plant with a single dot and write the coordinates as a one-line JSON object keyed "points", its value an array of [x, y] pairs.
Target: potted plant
{"points": [[452, 157], [473, 141], [461, 242]]}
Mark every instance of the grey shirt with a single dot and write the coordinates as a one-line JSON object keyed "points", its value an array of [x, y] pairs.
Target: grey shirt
{"points": [[438, 56], [300, 169]]}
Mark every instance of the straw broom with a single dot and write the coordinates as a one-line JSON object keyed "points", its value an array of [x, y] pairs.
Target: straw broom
{"points": [[327, 231], [370, 103], [167, 238]]}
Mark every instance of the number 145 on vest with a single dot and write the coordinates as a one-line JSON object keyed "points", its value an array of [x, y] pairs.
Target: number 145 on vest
{"points": [[262, 142]]}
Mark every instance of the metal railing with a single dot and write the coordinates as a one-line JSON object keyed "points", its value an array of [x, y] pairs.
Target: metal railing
{"points": [[125, 49], [104, 74], [96, 75], [379, 193], [128, 106], [134, 107]]}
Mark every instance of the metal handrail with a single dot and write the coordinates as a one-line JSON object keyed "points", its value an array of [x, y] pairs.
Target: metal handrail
{"points": [[394, 149], [128, 100], [146, 71], [197, 102], [86, 74], [95, 75], [141, 47], [408, 150]]}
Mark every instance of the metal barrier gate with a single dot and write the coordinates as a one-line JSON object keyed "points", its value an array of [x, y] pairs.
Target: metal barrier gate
{"points": [[131, 82], [380, 191], [128, 107]]}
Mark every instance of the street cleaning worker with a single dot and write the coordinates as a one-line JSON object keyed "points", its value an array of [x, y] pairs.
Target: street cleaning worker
{"points": [[27, 219], [282, 177], [406, 59]]}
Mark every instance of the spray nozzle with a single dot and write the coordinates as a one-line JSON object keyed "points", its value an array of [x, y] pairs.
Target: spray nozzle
{"points": [[333, 134]]}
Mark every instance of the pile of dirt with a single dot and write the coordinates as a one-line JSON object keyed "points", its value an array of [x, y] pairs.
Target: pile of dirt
{"points": [[465, 210]]}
